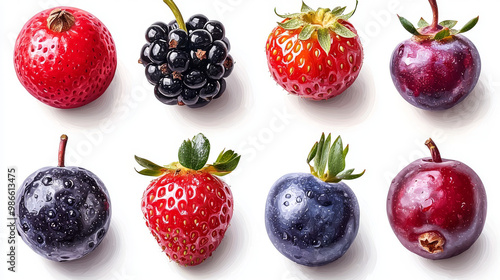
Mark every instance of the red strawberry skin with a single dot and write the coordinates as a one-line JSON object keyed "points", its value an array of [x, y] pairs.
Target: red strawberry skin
{"points": [[303, 68], [65, 69], [188, 212]]}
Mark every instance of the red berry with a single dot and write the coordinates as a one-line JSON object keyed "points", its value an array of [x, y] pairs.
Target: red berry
{"points": [[437, 207], [187, 208], [188, 213], [315, 54], [65, 57]]}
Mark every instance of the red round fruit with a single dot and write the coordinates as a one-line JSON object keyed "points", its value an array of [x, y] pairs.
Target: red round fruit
{"points": [[315, 54], [65, 57], [437, 207]]}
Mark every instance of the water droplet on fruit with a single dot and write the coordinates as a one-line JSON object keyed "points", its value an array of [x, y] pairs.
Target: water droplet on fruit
{"points": [[53, 225], [91, 244], [39, 239], [48, 197], [299, 199], [285, 236], [72, 213], [310, 194], [70, 201], [47, 181], [288, 195], [100, 234], [286, 203], [51, 214], [316, 243], [68, 184], [25, 227]]}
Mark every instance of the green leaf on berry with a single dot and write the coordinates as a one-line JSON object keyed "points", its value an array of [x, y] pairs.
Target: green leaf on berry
{"points": [[329, 161], [291, 24], [448, 23], [469, 25], [307, 32], [337, 11], [408, 26], [151, 168], [305, 8], [349, 15], [422, 23], [324, 39], [225, 163], [287, 15], [342, 31], [193, 154], [445, 32]]}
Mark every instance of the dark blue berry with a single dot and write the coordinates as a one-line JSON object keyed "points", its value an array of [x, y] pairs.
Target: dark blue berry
{"points": [[309, 221], [158, 51], [216, 29], [199, 39], [228, 65], [177, 38], [196, 22], [59, 219], [153, 73], [145, 55], [215, 71], [194, 79], [178, 60], [163, 99], [154, 33], [170, 87], [217, 53], [210, 90]]}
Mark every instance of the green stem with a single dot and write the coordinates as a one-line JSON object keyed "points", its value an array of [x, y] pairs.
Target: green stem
{"points": [[177, 14]]}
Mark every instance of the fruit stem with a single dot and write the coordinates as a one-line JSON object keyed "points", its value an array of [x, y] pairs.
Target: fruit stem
{"points": [[62, 150], [177, 14], [436, 156], [60, 20], [435, 15]]}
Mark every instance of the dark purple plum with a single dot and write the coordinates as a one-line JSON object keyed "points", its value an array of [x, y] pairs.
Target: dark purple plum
{"points": [[63, 213], [313, 219], [437, 68], [437, 207]]}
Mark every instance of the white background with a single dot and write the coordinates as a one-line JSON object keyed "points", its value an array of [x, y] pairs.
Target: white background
{"points": [[272, 130]]}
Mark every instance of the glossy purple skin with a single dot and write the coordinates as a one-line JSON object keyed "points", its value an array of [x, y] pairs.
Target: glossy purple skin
{"points": [[63, 213], [435, 75], [447, 197]]}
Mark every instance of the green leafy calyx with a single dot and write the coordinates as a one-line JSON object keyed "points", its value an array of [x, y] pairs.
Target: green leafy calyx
{"points": [[327, 160], [193, 155], [320, 22]]}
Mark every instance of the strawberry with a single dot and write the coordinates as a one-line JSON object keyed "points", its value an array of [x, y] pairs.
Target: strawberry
{"points": [[188, 208], [315, 54], [65, 57]]}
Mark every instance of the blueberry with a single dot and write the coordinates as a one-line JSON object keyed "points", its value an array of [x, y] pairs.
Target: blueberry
{"points": [[217, 53], [216, 29], [310, 229], [177, 38], [57, 228], [199, 39], [158, 51], [197, 21], [178, 61], [194, 79]]}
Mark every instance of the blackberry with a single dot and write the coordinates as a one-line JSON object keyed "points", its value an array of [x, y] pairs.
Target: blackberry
{"points": [[187, 62]]}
